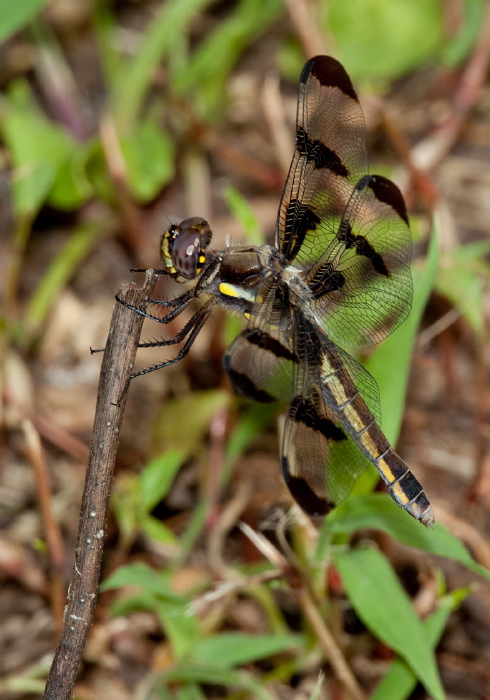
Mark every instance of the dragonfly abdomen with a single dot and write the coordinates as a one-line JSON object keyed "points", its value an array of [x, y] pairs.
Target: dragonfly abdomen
{"points": [[406, 490]]}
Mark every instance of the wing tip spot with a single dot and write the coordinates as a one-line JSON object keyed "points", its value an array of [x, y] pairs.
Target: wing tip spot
{"points": [[329, 73]]}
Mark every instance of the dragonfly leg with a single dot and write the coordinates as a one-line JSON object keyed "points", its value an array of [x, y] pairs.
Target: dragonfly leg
{"points": [[179, 304], [191, 330]]}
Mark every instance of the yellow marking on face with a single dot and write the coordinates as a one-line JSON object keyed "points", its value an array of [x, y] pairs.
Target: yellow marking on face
{"points": [[385, 469], [165, 251], [400, 494], [246, 314], [228, 290]]}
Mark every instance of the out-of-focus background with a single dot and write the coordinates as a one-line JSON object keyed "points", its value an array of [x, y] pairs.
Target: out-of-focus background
{"points": [[118, 117]]}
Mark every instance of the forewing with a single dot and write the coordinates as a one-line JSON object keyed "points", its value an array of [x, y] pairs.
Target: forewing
{"points": [[329, 159], [348, 229]]}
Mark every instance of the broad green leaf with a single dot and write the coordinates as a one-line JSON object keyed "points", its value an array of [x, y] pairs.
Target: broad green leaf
{"points": [[71, 186], [153, 582], [188, 692], [157, 477], [15, 15], [233, 325], [38, 148], [156, 530], [149, 154], [380, 512], [175, 612], [235, 648], [180, 625], [399, 682], [379, 39], [384, 607]]}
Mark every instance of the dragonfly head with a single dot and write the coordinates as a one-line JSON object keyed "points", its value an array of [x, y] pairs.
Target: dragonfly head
{"points": [[183, 248]]}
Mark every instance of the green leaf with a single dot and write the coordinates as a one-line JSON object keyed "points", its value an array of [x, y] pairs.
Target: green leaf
{"points": [[15, 15], [180, 625], [384, 607], [399, 682], [156, 530], [235, 649], [149, 154], [38, 148], [71, 186], [380, 39], [150, 581], [157, 478], [380, 512], [175, 611], [189, 692]]}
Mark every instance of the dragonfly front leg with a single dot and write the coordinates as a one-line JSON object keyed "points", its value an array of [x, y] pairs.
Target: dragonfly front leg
{"points": [[189, 328], [179, 303], [189, 332]]}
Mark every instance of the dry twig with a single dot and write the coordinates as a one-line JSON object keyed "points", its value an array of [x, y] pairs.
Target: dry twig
{"points": [[116, 368]]}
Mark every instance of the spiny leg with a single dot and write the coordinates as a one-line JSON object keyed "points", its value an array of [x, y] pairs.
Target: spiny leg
{"points": [[176, 301], [192, 329], [179, 304], [193, 321]]}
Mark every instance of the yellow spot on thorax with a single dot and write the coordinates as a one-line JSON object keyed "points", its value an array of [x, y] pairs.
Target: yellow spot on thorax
{"points": [[228, 290]]}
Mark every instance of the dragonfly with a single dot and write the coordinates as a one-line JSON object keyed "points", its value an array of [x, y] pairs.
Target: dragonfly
{"points": [[338, 276]]}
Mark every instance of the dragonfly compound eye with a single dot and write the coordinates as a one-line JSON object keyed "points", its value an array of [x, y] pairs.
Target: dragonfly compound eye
{"points": [[183, 248]]}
